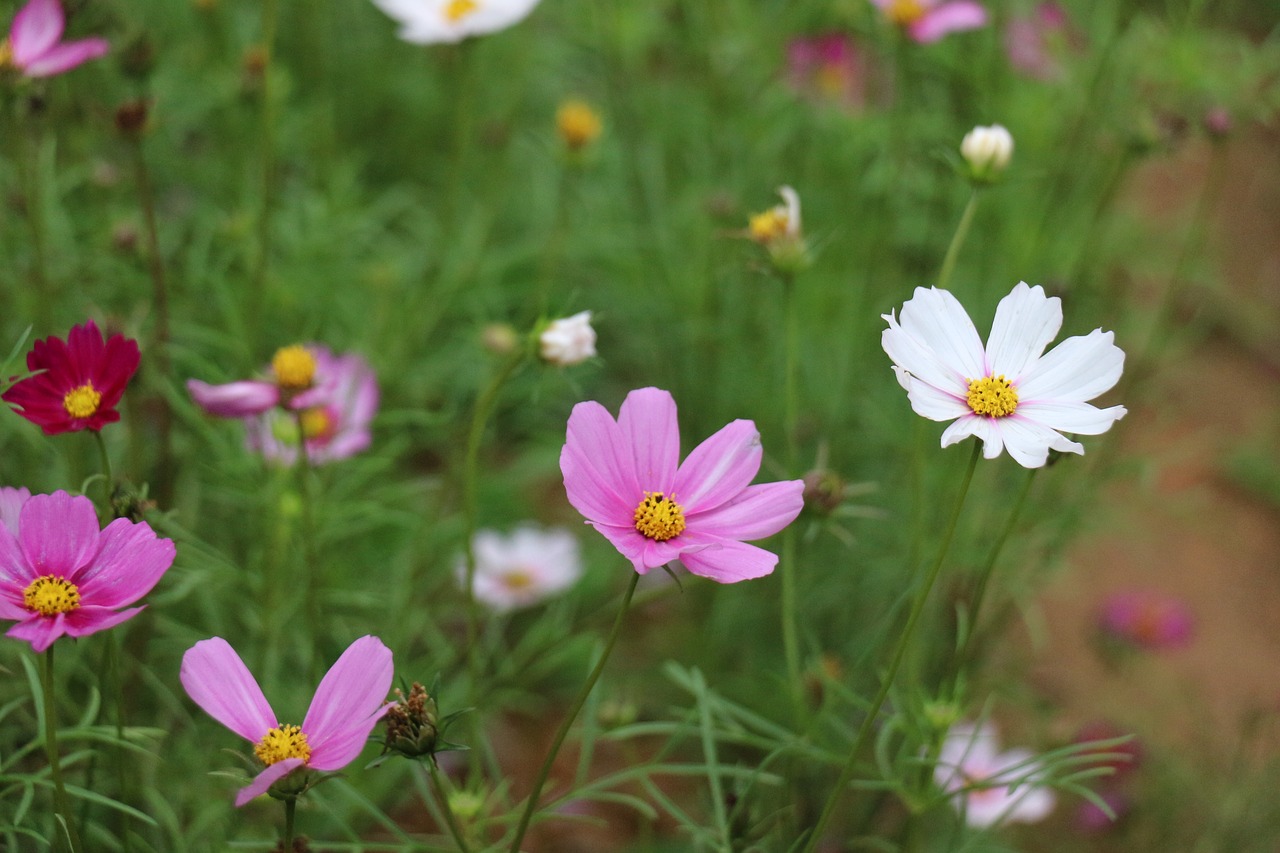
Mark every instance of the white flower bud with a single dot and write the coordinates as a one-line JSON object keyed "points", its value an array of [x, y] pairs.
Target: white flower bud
{"points": [[568, 341], [987, 150]]}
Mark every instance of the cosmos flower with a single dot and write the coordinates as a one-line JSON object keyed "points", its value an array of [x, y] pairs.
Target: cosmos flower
{"points": [[626, 478], [1147, 619], [347, 705], [335, 424], [432, 21], [34, 46], [523, 568], [1037, 43], [82, 380], [990, 787], [1008, 394], [301, 376], [829, 67], [568, 341], [987, 151], [60, 574], [927, 21]]}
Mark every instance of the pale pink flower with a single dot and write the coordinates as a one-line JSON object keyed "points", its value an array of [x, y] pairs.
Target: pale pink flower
{"points": [[431, 21], [301, 376], [1037, 43], [347, 705], [828, 66], [35, 47], [1147, 619], [927, 21], [568, 341], [1010, 393], [990, 787], [524, 567], [626, 478]]}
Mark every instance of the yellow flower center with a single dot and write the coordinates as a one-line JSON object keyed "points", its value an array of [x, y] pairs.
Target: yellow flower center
{"points": [[82, 402], [456, 10], [50, 595], [281, 743], [6, 54], [317, 424], [578, 124], [904, 13], [993, 397], [768, 226], [294, 367], [659, 517], [517, 579]]}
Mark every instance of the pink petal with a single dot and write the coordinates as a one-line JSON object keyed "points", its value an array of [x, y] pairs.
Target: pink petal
{"points": [[59, 533], [11, 606], [1026, 322], [266, 779], [949, 18], [758, 511], [719, 468], [15, 572], [648, 424], [36, 28], [62, 58], [39, 631], [351, 698], [726, 561], [129, 563], [218, 681], [598, 467], [84, 621], [629, 542], [234, 399]]}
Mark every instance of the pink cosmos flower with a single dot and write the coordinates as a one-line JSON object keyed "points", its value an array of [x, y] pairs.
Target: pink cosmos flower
{"points": [[335, 424], [927, 21], [82, 380], [1037, 43], [346, 706], [828, 66], [60, 574], [522, 568], [1147, 619], [626, 478], [302, 376], [991, 787], [33, 46]]}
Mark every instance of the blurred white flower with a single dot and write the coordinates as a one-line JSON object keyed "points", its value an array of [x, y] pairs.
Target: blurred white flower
{"points": [[991, 787], [522, 568], [568, 341], [432, 21], [987, 150]]}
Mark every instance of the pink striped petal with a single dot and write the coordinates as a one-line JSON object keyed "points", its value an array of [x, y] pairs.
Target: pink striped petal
{"points": [[648, 424], [129, 563], [39, 631], [264, 780], [15, 571], [350, 699], [36, 28], [719, 468], [598, 466], [948, 18], [218, 681], [234, 399], [726, 561], [59, 534], [757, 512], [84, 621], [63, 58]]}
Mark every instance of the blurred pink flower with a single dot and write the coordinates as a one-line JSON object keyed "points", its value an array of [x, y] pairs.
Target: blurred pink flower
{"points": [[828, 67], [1037, 43], [60, 574], [522, 568], [348, 703], [1090, 819], [991, 787], [1147, 619], [34, 45], [626, 477], [927, 21]]}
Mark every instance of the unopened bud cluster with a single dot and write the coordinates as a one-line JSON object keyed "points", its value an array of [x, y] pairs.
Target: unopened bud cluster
{"points": [[412, 723], [987, 152]]}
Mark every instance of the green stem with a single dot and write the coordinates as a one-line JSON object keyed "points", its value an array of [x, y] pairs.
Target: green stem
{"points": [[115, 684], [35, 199], [957, 240], [105, 459], [450, 818], [791, 417], [266, 152], [899, 651], [545, 770], [312, 577], [555, 242], [60, 804], [290, 805]]}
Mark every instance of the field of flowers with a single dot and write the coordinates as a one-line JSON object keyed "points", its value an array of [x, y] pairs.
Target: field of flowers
{"points": [[588, 425]]}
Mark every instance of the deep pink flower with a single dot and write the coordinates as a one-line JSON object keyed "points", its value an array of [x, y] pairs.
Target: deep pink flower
{"points": [[626, 477], [336, 423], [83, 379], [927, 21], [1037, 43], [829, 67], [1147, 619], [348, 703], [34, 45], [60, 574]]}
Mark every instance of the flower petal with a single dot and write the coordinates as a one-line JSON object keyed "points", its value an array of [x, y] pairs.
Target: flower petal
{"points": [[979, 426], [719, 468], [129, 563], [350, 699], [1029, 442], [1076, 370], [15, 572], [234, 399], [84, 621], [64, 57], [727, 561], [935, 341], [758, 511], [59, 533], [930, 402], [1026, 322], [39, 631], [266, 779], [36, 28], [1078, 418], [948, 18], [218, 681], [649, 426], [629, 543], [598, 467]]}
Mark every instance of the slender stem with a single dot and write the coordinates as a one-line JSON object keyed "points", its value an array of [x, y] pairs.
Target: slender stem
{"points": [[545, 770], [105, 459], [555, 242], [115, 685], [290, 805], [450, 818], [899, 651], [312, 576], [60, 804], [957, 240], [791, 417], [35, 207], [267, 159]]}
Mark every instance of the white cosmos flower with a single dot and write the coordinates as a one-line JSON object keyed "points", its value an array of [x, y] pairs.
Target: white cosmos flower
{"points": [[568, 341], [1011, 394], [524, 567], [432, 21], [991, 787]]}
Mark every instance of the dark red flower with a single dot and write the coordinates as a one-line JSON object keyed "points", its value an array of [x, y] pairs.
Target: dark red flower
{"points": [[83, 379]]}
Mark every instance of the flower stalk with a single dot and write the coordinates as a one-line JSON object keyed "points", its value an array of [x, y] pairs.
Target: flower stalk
{"points": [[65, 828], [957, 239]]}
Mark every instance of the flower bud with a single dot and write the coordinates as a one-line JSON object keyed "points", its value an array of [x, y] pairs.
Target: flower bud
{"points": [[568, 341], [778, 230], [500, 338], [412, 724], [987, 151]]}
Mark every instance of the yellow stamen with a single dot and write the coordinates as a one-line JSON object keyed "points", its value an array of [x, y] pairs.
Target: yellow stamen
{"points": [[6, 54], [317, 424], [768, 226], [904, 13], [456, 10], [517, 579], [281, 743], [294, 367], [658, 517], [578, 124], [50, 595], [82, 402], [993, 397]]}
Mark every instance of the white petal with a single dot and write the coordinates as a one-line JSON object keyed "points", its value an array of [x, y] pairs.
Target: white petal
{"points": [[1076, 370], [1026, 321], [1079, 418], [930, 402], [1029, 442], [976, 425], [935, 318]]}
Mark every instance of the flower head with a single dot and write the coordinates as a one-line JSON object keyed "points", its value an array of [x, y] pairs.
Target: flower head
{"points": [[1007, 393], [626, 478], [523, 568], [346, 706], [778, 230], [568, 341], [82, 380], [927, 21], [578, 124], [990, 786], [34, 46], [1147, 620], [432, 21], [334, 423], [829, 67], [987, 151], [60, 574]]}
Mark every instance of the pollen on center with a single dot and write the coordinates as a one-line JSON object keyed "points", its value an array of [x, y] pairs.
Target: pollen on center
{"points": [[768, 226], [82, 401], [294, 367], [659, 517], [905, 12], [50, 595], [992, 397], [456, 10], [282, 742]]}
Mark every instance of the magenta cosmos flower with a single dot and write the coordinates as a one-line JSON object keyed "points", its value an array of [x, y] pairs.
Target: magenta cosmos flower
{"points": [[1147, 619], [82, 380], [927, 21], [34, 45], [60, 574], [626, 477], [1010, 393], [348, 703]]}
